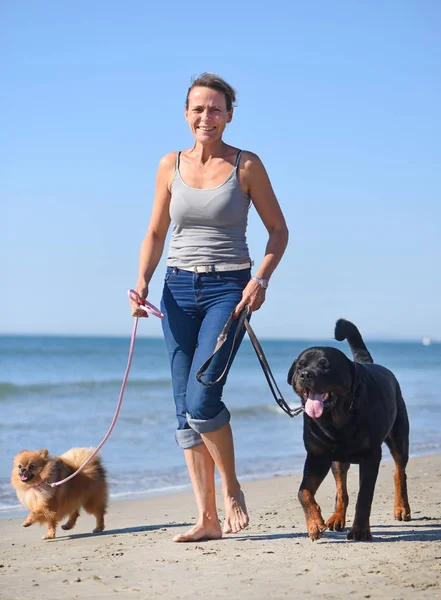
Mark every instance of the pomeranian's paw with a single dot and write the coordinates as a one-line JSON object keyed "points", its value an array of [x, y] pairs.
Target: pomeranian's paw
{"points": [[26, 523], [49, 535], [98, 529]]}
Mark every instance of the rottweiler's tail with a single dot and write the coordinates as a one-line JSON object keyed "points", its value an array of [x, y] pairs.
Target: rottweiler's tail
{"points": [[345, 330]]}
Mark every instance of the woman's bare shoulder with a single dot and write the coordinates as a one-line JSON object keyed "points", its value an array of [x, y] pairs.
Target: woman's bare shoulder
{"points": [[251, 163], [168, 161], [249, 158]]}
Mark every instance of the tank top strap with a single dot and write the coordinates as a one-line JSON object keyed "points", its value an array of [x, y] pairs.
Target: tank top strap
{"points": [[178, 157], [239, 154]]}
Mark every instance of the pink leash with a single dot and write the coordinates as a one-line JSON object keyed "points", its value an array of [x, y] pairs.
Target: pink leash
{"points": [[149, 309]]}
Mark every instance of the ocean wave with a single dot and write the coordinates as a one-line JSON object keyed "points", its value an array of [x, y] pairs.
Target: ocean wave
{"points": [[12, 506], [259, 409], [8, 390]]}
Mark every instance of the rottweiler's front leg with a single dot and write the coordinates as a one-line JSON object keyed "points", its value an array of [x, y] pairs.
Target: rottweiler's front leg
{"points": [[361, 530], [315, 470], [337, 521]]}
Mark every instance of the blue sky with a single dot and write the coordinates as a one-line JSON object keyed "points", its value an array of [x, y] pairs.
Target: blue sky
{"points": [[341, 100]]}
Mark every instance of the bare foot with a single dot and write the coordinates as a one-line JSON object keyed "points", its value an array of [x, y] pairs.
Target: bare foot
{"points": [[201, 531], [236, 516]]}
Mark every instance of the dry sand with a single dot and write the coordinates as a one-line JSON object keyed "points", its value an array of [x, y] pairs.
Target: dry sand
{"points": [[136, 558]]}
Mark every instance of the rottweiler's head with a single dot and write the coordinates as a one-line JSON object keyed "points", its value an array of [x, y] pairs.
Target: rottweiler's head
{"points": [[322, 377]]}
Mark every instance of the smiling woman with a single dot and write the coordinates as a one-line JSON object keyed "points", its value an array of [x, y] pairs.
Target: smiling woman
{"points": [[206, 192], [208, 110]]}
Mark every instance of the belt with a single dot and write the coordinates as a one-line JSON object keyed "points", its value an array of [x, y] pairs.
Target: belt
{"points": [[216, 267]]}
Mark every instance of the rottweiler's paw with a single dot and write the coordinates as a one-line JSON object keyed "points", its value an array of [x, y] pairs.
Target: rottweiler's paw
{"points": [[336, 522], [316, 529], [402, 513], [360, 534]]}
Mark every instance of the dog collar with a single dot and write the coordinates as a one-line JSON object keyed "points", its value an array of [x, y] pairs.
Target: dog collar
{"points": [[35, 485]]}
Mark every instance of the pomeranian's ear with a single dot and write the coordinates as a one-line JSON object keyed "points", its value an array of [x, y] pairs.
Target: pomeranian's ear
{"points": [[44, 453], [291, 372]]}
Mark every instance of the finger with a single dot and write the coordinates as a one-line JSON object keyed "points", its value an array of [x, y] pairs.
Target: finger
{"points": [[255, 305], [239, 308], [133, 305], [138, 312]]}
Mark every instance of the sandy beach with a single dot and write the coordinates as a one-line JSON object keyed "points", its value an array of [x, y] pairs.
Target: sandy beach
{"points": [[136, 558]]}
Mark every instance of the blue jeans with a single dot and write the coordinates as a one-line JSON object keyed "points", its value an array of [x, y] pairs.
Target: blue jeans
{"points": [[196, 307]]}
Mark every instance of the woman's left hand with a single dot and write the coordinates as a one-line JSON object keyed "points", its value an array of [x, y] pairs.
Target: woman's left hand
{"points": [[253, 295]]}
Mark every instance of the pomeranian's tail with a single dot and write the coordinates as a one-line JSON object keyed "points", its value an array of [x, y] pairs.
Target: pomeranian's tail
{"points": [[75, 457], [345, 330]]}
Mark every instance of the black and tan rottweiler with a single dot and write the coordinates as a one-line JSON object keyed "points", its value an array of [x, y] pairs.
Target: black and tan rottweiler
{"points": [[350, 409]]}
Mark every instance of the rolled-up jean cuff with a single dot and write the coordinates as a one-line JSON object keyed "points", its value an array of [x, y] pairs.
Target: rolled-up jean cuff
{"points": [[205, 426], [187, 438]]}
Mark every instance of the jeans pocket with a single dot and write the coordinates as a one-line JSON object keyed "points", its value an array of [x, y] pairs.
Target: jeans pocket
{"points": [[170, 272], [241, 277]]}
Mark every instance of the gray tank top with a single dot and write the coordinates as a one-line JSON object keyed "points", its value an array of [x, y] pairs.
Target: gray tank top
{"points": [[209, 225]]}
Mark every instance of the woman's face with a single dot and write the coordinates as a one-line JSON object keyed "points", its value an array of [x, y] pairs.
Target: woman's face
{"points": [[207, 114]]}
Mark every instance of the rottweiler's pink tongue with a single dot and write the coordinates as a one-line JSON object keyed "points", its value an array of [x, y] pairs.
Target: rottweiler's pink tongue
{"points": [[314, 405]]}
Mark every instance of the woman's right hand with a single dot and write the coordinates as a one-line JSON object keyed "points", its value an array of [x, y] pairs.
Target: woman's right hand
{"points": [[137, 310]]}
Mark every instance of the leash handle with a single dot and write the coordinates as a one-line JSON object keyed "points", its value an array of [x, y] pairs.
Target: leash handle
{"points": [[144, 304]]}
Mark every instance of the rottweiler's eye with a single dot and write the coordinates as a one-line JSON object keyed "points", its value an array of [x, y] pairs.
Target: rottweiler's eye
{"points": [[301, 364], [323, 364]]}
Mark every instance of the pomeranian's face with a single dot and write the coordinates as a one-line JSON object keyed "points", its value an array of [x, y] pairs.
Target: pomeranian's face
{"points": [[29, 464]]}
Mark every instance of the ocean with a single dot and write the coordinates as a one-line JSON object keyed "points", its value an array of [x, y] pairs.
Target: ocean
{"points": [[61, 392]]}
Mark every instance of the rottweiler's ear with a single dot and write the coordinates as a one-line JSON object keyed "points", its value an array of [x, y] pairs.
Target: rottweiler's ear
{"points": [[291, 372]]}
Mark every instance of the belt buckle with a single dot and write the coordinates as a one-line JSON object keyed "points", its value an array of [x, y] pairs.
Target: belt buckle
{"points": [[203, 269]]}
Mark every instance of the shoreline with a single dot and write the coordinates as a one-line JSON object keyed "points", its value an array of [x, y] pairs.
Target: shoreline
{"points": [[18, 511], [273, 558]]}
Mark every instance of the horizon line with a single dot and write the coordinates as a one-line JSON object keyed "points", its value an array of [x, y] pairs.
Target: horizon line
{"points": [[419, 340]]}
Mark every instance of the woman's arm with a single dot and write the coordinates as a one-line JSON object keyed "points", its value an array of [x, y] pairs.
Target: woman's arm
{"points": [[260, 190], [153, 243]]}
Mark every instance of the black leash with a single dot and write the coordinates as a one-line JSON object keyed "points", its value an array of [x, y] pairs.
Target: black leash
{"points": [[241, 322]]}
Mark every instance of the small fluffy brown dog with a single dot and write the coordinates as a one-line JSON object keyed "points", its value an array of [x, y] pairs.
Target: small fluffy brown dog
{"points": [[34, 469]]}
